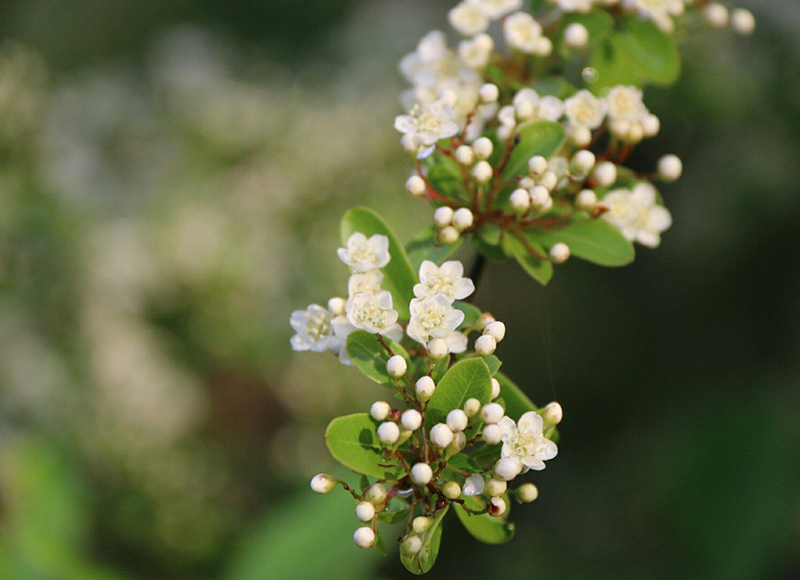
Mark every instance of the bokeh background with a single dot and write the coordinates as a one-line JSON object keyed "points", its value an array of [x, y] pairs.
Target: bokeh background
{"points": [[172, 174]]}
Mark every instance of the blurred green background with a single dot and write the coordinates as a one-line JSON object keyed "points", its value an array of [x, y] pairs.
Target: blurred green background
{"points": [[171, 178]]}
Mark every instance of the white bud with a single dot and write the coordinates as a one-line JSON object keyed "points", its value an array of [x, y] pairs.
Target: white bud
{"points": [[388, 432], [549, 180], [377, 493], [424, 388], [459, 442], [524, 110], [411, 419], [472, 407], [540, 197], [463, 219], [520, 200], [489, 93], [583, 161], [504, 132], [483, 148], [485, 319], [670, 168], [586, 199], [448, 97], [441, 435], [576, 35], [323, 483], [482, 172], [620, 127], [457, 420], [743, 21], [438, 349], [485, 345], [365, 511], [396, 366], [527, 493], [635, 133], [605, 173], [451, 490], [465, 155], [492, 413], [443, 216], [497, 506], [410, 144], [651, 125], [537, 165], [544, 46], [496, 329], [716, 15], [492, 434], [449, 235], [337, 306], [495, 388], [553, 413], [507, 468], [421, 474], [420, 524], [380, 410], [580, 135], [473, 485], [364, 537], [411, 545], [415, 185], [559, 253], [496, 487]]}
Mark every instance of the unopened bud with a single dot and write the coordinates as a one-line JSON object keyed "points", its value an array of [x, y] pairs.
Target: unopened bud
{"points": [[323, 483]]}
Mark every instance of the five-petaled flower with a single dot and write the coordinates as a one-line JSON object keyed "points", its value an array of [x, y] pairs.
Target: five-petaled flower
{"points": [[433, 317], [314, 328], [363, 254], [373, 313], [447, 280], [525, 442]]}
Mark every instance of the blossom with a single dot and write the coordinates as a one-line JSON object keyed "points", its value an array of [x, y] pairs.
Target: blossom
{"points": [[433, 318], [363, 254], [372, 313], [636, 214], [574, 5], [314, 329], [525, 441], [522, 32], [428, 124], [585, 110], [447, 279], [625, 104], [494, 9], [659, 11], [550, 109], [367, 283], [475, 52], [456, 342], [468, 19]]}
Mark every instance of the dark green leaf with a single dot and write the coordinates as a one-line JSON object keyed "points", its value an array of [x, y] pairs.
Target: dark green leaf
{"points": [[593, 240], [369, 356], [353, 442], [471, 313], [490, 233], [493, 363], [423, 246], [422, 562], [486, 528], [465, 379], [598, 22], [465, 462], [555, 86], [487, 455], [496, 253], [445, 176], [540, 138], [440, 368], [539, 269], [613, 66], [396, 511], [652, 51]]}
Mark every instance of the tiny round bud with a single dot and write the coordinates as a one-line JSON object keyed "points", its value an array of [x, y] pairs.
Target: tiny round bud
{"points": [[743, 21], [576, 35], [496, 329], [524, 110], [492, 434], [449, 235], [465, 155], [411, 545], [559, 253], [463, 219], [492, 413], [605, 173], [544, 46], [483, 148], [527, 493], [420, 524], [620, 127], [651, 125], [489, 93], [457, 420], [485, 345], [485, 319], [507, 468], [438, 349], [443, 216], [670, 168], [448, 97], [396, 366], [497, 506], [377, 493], [424, 388], [504, 132], [365, 511], [635, 133], [364, 537], [451, 490], [553, 413], [495, 487], [411, 419], [520, 200], [380, 410], [337, 306], [323, 483], [586, 199], [716, 15], [549, 181], [410, 144], [421, 474], [495, 388], [482, 172], [540, 197], [472, 407], [459, 442], [388, 432], [537, 165], [441, 435], [580, 135], [583, 161], [415, 185]]}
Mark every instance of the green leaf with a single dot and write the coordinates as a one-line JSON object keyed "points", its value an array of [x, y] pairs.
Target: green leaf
{"points": [[396, 511], [593, 240], [399, 275], [493, 363], [465, 379], [422, 562], [554, 86], [487, 455], [540, 270], [490, 233], [598, 22], [496, 253], [440, 368], [471, 313], [541, 138], [652, 51], [423, 246], [369, 356], [353, 442], [463, 461], [444, 175], [613, 66], [486, 528], [517, 402]]}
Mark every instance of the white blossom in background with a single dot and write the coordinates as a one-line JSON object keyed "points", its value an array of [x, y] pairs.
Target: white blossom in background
{"points": [[626, 104], [495, 9], [433, 318], [468, 19], [476, 52], [314, 328], [447, 280], [522, 32], [525, 441], [550, 109], [363, 255], [575, 5], [427, 124], [373, 313], [661, 12], [637, 215], [583, 109]]}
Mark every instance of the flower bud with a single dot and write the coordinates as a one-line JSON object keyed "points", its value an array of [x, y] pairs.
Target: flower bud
{"points": [[424, 388], [415, 185], [323, 483], [472, 407], [635, 133], [489, 93], [524, 110], [716, 15], [576, 35], [421, 474], [473, 485], [496, 487], [465, 155], [495, 388], [492, 413], [411, 545], [520, 201], [605, 173], [410, 144], [496, 329], [497, 506], [527, 493], [482, 172], [449, 235], [441, 435], [365, 511], [580, 135], [420, 524], [364, 537], [537, 165], [463, 219], [485, 345], [540, 197], [544, 46], [507, 468], [411, 419], [485, 319], [451, 490], [457, 420], [743, 22], [492, 434], [651, 125], [380, 410], [483, 148], [583, 161], [586, 199], [443, 216], [438, 349], [459, 442], [559, 253], [549, 181], [396, 366], [377, 493], [670, 168], [505, 132], [553, 413], [388, 433]]}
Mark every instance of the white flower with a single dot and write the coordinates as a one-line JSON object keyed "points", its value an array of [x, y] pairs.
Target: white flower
{"points": [[447, 279], [367, 283], [574, 5], [625, 104], [494, 9], [522, 32], [659, 11], [428, 124], [433, 317], [636, 214], [525, 442], [529, 105], [456, 342], [585, 110], [468, 19], [473, 485], [550, 109], [373, 313], [363, 254], [314, 328]]}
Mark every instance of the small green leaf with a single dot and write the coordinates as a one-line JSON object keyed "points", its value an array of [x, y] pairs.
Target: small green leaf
{"points": [[440, 368], [422, 562], [465, 379], [490, 233], [471, 313], [493, 363], [369, 356], [423, 246], [613, 66], [396, 511], [486, 528], [399, 275], [593, 240], [444, 175], [487, 455], [463, 461], [353, 441], [541, 138], [554, 86], [598, 22], [539, 269], [496, 253], [652, 51]]}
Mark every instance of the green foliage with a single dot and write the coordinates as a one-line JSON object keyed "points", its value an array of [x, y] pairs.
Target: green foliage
{"points": [[445, 176], [370, 357], [538, 268], [598, 22], [353, 441], [540, 138], [489, 250], [423, 246], [556, 86], [465, 379], [423, 561], [652, 52], [613, 66], [471, 313], [484, 527], [593, 240]]}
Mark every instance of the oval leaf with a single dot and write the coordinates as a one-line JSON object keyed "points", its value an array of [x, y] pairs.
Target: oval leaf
{"points": [[599, 23], [486, 528], [353, 441], [541, 138], [537, 268], [613, 66], [423, 246], [465, 379], [595, 241], [652, 51], [369, 356], [422, 562]]}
